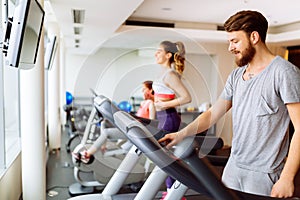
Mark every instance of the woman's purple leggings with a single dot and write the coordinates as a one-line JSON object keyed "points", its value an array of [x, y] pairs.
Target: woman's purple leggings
{"points": [[169, 120]]}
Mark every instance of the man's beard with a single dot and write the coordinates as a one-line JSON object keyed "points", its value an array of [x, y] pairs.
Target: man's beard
{"points": [[247, 56]]}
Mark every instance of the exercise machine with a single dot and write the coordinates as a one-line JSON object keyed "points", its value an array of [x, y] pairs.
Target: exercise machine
{"points": [[106, 164], [156, 178], [194, 171]]}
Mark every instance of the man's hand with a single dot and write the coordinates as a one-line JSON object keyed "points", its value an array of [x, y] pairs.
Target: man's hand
{"points": [[171, 139], [283, 188]]}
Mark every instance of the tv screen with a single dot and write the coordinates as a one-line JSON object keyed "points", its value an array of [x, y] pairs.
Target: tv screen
{"points": [[25, 33], [50, 50]]}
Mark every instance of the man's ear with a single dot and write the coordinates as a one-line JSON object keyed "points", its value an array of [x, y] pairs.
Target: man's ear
{"points": [[254, 37]]}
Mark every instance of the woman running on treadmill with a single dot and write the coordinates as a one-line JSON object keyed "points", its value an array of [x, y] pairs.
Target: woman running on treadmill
{"points": [[147, 109], [169, 90]]}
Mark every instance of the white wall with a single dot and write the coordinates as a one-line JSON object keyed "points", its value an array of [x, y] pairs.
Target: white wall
{"points": [[73, 65]]}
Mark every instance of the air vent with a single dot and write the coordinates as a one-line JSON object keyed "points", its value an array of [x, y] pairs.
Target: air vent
{"points": [[78, 16], [220, 28], [297, 48], [145, 23], [77, 30]]}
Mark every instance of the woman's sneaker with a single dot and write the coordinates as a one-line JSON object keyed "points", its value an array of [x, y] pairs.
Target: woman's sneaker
{"points": [[164, 194]]}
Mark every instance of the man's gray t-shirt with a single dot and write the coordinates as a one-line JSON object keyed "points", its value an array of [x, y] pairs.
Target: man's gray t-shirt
{"points": [[259, 114]]}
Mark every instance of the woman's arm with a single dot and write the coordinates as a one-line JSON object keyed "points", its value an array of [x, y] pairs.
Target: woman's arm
{"points": [[173, 81]]}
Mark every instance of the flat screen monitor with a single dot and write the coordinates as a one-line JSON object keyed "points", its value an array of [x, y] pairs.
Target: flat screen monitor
{"points": [[50, 51], [25, 33]]}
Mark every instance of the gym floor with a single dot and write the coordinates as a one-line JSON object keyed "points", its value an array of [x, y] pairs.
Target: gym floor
{"points": [[59, 172], [60, 175]]}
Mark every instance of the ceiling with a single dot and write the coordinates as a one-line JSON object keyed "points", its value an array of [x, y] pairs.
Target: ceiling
{"points": [[104, 21]]}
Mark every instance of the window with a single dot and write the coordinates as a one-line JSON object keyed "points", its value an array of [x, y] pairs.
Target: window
{"points": [[2, 138], [11, 113], [10, 143]]}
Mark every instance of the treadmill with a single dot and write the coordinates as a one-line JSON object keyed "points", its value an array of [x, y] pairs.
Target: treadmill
{"points": [[194, 172], [154, 181]]}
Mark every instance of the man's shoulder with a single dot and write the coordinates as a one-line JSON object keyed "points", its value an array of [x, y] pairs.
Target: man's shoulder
{"points": [[282, 64]]}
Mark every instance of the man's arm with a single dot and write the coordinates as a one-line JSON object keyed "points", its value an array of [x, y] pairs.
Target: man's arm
{"points": [[200, 124], [284, 187]]}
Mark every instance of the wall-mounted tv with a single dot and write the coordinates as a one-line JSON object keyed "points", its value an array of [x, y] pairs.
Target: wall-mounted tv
{"points": [[50, 51], [23, 37]]}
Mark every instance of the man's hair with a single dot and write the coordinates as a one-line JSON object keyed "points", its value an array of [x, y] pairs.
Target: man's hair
{"points": [[248, 21]]}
